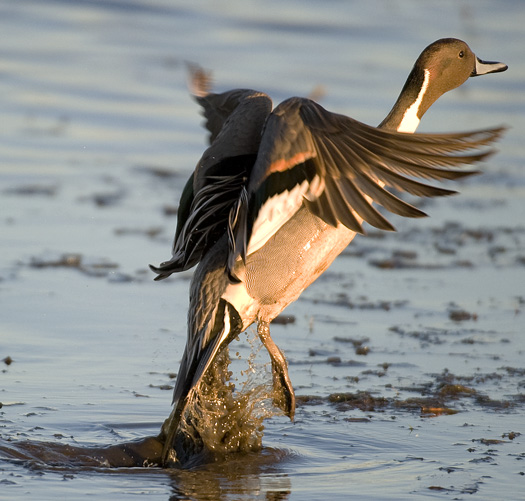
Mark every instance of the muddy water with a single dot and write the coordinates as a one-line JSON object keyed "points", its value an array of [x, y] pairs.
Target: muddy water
{"points": [[407, 356]]}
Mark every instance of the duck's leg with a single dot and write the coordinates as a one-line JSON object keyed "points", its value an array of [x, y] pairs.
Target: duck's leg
{"points": [[284, 395]]}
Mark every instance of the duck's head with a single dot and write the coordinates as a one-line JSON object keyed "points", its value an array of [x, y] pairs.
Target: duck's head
{"points": [[442, 66], [451, 62]]}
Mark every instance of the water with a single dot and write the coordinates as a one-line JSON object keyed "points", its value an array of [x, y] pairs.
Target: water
{"points": [[98, 135]]}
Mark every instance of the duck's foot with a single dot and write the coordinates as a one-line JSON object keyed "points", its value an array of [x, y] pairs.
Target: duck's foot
{"points": [[284, 396]]}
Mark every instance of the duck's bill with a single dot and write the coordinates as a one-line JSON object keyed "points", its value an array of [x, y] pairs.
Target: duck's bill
{"points": [[484, 67]]}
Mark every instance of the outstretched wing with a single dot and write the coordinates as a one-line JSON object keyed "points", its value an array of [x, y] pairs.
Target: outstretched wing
{"points": [[338, 167], [235, 120], [216, 108]]}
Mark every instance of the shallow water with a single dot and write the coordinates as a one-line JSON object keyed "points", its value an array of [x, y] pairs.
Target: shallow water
{"points": [[407, 356]]}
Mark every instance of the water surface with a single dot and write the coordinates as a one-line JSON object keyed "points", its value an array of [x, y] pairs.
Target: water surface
{"points": [[407, 355]]}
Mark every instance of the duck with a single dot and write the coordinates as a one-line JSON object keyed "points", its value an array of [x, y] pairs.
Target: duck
{"points": [[281, 192]]}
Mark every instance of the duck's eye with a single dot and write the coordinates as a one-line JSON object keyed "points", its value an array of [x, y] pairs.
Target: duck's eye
{"points": [[461, 53]]}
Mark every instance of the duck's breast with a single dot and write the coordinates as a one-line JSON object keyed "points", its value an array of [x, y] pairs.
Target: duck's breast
{"points": [[291, 260]]}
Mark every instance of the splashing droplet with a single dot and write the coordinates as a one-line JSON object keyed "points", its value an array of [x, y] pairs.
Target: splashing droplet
{"points": [[226, 414]]}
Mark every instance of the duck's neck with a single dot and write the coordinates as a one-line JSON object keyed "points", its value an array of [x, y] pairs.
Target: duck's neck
{"points": [[413, 101]]}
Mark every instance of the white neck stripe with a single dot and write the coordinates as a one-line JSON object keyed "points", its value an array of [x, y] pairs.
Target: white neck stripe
{"points": [[410, 119]]}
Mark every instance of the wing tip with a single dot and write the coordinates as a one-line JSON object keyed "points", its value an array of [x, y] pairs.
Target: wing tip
{"points": [[164, 270], [199, 80]]}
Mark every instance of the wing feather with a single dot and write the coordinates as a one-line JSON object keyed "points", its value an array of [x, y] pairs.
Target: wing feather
{"points": [[354, 165], [235, 120]]}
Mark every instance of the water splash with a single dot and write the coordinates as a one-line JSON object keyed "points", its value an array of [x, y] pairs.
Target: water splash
{"points": [[226, 414]]}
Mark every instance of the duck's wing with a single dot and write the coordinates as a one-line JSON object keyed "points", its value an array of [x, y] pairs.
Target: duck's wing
{"points": [[337, 167], [216, 108], [235, 120]]}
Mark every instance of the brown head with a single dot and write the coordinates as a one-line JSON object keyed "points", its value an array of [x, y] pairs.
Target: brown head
{"points": [[442, 66]]}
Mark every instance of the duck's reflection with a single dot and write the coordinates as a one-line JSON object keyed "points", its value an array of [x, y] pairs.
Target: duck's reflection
{"points": [[229, 477], [238, 476]]}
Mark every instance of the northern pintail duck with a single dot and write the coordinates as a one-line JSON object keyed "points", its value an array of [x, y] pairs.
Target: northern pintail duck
{"points": [[279, 194]]}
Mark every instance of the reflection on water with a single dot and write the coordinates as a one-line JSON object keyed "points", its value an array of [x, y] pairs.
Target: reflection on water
{"points": [[98, 135], [241, 474], [141, 453]]}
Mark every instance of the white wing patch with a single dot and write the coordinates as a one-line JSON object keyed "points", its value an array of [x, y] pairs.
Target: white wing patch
{"points": [[276, 211]]}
